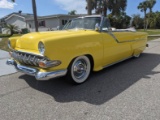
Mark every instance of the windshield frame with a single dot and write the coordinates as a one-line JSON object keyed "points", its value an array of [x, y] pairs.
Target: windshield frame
{"points": [[100, 24]]}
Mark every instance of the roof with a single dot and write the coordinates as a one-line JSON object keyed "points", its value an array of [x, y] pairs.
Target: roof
{"points": [[28, 16], [23, 15], [55, 16]]}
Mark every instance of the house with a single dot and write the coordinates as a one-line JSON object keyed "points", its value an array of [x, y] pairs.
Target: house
{"points": [[25, 20], [17, 19], [51, 22]]}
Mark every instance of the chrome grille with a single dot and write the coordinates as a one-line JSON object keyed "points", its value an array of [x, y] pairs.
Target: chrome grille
{"points": [[28, 59]]}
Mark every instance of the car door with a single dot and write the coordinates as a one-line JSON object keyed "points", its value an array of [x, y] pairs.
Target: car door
{"points": [[114, 50]]}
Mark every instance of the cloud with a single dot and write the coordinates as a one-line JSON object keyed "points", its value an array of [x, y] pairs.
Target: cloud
{"points": [[68, 5], [6, 4]]}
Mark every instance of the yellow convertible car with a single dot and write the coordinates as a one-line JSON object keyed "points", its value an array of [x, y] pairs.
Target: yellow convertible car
{"points": [[85, 44]]}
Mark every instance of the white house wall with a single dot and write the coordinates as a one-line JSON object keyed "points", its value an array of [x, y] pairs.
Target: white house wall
{"points": [[52, 23], [18, 21]]}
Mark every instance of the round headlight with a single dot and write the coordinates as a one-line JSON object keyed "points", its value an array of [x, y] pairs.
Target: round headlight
{"points": [[41, 48]]}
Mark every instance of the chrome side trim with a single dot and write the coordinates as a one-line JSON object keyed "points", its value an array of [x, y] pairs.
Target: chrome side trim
{"points": [[117, 62], [34, 72], [114, 37]]}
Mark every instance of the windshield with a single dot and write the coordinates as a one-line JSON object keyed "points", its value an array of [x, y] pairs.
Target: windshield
{"points": [[83, 23]]}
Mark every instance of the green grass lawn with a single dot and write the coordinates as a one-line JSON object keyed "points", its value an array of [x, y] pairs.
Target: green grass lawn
{"points": [[4, 35], [150, 31], [4, 42]]}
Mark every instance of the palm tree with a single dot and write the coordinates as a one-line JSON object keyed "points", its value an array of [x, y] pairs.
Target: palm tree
{"points": [[35, 14], [143, 7], [151, 4], [89, 7], [115, 6], [11, 28]]}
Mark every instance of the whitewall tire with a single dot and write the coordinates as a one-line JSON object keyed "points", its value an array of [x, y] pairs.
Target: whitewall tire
{"points": [[79, 70]]}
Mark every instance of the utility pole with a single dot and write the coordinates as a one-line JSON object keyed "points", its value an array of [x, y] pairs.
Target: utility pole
{"points": [[35, 15]]}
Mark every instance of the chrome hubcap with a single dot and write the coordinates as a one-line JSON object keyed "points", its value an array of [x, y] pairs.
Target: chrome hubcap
{"points": [[80, 68]]}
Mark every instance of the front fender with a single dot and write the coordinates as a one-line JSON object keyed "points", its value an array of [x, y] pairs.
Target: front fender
{"points": [[13, 41], [68, 48]]}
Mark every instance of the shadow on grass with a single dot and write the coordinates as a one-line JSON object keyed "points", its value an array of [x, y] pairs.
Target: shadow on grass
{"points": [[101, 86]]}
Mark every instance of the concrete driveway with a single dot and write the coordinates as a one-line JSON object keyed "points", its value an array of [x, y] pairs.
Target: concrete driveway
{"points": [[129, 90]]}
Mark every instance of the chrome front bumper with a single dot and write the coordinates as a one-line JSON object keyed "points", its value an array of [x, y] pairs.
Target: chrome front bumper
{"points": [[34, 72]]}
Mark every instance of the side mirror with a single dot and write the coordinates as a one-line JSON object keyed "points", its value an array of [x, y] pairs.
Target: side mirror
{"points": [[97, 27]]}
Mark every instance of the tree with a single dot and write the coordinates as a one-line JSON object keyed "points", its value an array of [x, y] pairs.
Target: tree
{"points": [[143, 7], [137, 21], [151, 4], [34, 13], [11, 28], [154, 20], [72, 12], [117, 6], [101, 6], [119, 21], [89, 7]]}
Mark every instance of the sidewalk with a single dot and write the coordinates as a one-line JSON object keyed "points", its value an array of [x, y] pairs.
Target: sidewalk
{"points": [[154, 35], [5, 69]]}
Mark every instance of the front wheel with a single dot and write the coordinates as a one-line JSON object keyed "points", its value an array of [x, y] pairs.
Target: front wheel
{"points": [[79, 70]]}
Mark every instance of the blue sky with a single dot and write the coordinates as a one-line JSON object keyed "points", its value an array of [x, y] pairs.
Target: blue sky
{"points": [[49, 7]]}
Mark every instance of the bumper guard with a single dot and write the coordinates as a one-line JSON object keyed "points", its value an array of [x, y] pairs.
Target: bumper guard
{"points": [[34, 72]]}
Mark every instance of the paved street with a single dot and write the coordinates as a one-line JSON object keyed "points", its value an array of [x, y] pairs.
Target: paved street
{"points": [[129, 90]]}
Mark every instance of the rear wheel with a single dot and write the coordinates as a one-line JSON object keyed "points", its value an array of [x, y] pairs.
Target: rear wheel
{"points": [[79, 70]]}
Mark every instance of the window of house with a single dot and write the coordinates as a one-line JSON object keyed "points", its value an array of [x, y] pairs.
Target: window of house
{"points": [[30, 26], [41, 23], [64, 22]]}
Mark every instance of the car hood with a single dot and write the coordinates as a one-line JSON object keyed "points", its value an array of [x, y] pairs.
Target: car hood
{"points": [[30, 41]]}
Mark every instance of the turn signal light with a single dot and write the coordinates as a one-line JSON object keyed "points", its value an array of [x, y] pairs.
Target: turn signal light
{"points": [[48, 64], [42, 64]]}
